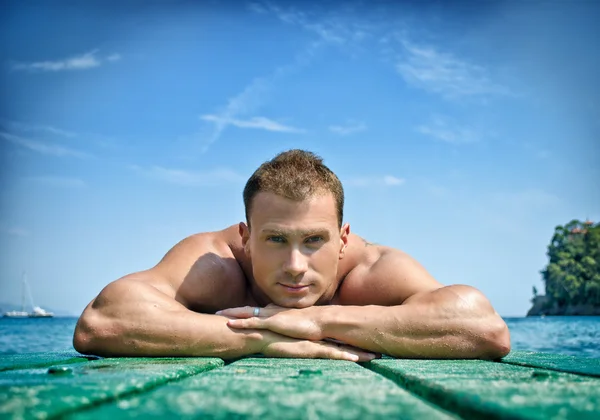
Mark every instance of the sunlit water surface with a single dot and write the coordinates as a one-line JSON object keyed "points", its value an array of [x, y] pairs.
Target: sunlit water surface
{"points": [[577, 336]]}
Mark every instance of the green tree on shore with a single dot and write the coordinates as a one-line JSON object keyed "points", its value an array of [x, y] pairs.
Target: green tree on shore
{"points": [[572, 276]]}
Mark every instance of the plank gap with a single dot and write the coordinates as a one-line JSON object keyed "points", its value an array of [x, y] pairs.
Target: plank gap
{"points": [[469, 407]]}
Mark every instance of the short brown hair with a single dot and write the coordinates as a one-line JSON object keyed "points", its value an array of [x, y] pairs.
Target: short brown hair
{"points": [[296, 175]]}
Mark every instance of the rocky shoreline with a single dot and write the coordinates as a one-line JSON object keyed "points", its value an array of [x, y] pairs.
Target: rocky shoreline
{"points": [[542, 306]]}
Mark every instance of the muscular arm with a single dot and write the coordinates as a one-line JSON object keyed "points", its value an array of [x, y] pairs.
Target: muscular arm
{"points": [[448, 323], [432, 322], [132, 318], [148, 313]]}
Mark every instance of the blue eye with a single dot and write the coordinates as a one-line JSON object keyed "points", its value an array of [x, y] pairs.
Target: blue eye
{"points": [[276, 239], [314, 239]]}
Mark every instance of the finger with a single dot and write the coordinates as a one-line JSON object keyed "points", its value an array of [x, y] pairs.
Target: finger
{"points": [[248, 311], [248, 323], [319, 350], [337, 354], [358, 356], [361, 355], [241, 312], [334, 341], [341, 344], [343, 355]]}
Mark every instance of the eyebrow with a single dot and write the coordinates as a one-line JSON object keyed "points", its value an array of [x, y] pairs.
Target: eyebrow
{"points": [[282, 232]]}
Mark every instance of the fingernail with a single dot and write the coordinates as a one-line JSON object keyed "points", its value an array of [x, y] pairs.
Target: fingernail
{"points": [[352, 357], [218, 312]]}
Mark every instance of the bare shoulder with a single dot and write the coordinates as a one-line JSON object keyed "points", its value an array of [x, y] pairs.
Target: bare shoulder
{"points": [[382, 275], [202, 272]]}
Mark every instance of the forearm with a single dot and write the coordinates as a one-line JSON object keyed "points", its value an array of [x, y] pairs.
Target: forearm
{"points": [[452, 322], [144, 323], [168, 334]]}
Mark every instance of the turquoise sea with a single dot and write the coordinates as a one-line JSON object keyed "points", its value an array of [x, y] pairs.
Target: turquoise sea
{"points": [[577, 336]]}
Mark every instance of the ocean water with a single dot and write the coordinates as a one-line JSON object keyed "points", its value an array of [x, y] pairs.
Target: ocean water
{"points": [[576, 336]]}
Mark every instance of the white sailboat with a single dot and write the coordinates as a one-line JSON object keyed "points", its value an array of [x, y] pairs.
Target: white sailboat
{"points": [[36, 312]]}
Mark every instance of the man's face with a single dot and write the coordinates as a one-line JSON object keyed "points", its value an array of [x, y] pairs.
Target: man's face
{"points": [[294, 247]]}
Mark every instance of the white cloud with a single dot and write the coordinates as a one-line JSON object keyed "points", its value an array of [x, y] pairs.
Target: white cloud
{"points": [[543, 154], [370, 181], [328, 30], [17, 231], [260, 123], [190, 178], [253, 96], [244, 102], [425, 67], [444, 129], [350, 128], [392, 180], [22, 127], [44, 148], [445, 74], [257, 8], [57, 181], [249, 99], [113, 57], [14, 231], [84, 61]]}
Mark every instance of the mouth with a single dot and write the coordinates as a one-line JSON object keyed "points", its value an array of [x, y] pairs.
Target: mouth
{"points": [[294, 288]]}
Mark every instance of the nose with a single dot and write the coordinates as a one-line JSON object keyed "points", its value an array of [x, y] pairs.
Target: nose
{"points": [[296, 263]]}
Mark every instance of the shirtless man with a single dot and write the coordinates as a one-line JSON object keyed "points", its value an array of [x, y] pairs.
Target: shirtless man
{"points": [[290, 282]]}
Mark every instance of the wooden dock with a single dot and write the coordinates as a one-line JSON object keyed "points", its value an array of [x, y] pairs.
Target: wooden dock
{"points": [[522, 386]]}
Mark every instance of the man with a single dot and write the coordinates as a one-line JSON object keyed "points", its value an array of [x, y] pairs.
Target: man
{"points": [[290, 282]]}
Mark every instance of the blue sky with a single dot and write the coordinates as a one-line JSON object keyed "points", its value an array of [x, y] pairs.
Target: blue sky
{"points": [[463, 134]]}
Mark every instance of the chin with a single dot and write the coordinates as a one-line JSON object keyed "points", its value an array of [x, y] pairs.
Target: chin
{"points": [[296, 303]]}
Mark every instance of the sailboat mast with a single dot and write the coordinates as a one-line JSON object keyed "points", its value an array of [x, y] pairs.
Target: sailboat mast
{"points": [[28, 291], [23, 292]]}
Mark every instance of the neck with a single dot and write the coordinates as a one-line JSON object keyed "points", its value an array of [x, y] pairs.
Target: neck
{"points": [[256, 294]]}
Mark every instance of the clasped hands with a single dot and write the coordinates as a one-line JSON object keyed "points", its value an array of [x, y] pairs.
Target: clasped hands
{"points": [[289, 332]]}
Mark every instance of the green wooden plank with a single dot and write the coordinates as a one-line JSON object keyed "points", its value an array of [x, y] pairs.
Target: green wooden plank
{"points": [[275, 389], [33, 360], [558, 362], [480, 389], [45, 393]]}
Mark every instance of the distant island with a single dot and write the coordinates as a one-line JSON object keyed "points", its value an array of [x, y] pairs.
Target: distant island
{"points": [[572, 276]]}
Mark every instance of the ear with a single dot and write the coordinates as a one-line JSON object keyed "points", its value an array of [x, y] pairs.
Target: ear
{"points": [[244, 231], [344, 234]]}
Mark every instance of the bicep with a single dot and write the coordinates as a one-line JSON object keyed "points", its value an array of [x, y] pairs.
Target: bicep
{"points": [[130, 292], [198, 273], [202, 273]]}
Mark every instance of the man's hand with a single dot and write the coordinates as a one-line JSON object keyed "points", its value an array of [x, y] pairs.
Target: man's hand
{"points": [[293, 333], [296, 323], [277, 345]]}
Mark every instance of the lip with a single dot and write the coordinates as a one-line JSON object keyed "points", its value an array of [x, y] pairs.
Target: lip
{"points": [[294, 288]]}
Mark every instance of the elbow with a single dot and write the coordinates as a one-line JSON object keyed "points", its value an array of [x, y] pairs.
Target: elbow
{"points": [[97, 327], [87, 336], [495, 340], [491, 332]]}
